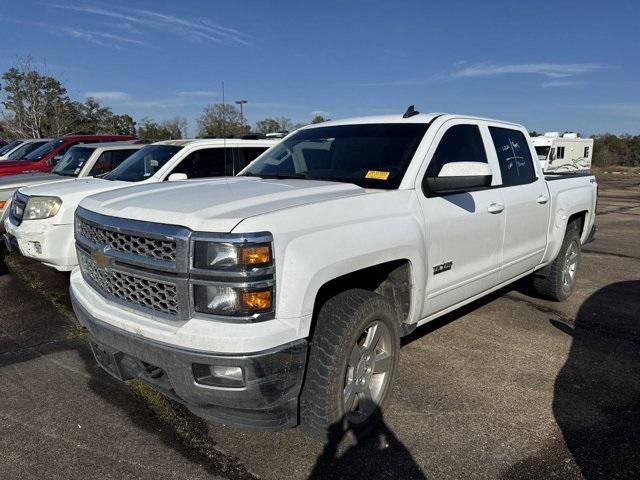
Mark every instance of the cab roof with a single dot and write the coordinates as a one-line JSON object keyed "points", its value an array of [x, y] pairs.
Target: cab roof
{"points": [[218, 142], [399, 118]]}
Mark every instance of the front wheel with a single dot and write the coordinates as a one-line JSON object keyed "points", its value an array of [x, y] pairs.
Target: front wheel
{"points": [[353, 359]]}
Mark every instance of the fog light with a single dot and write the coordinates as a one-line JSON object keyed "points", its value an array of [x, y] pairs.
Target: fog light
{"points": [[218, 375]]}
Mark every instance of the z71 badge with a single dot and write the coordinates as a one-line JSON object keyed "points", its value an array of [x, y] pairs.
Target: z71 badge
{"points": [[443, 267]]}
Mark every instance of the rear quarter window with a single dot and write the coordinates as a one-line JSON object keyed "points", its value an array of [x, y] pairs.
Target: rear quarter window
{"points": [[514, 156]]}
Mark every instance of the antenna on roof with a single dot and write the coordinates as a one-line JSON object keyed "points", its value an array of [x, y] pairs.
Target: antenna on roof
{"points": [[410, 112]]}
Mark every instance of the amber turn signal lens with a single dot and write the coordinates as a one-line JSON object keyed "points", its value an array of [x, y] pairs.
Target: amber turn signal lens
{"points": [[2, 203], [260, 300], [255, 255]]}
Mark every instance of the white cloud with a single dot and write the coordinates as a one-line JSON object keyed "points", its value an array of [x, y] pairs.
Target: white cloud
{"points": [[551, 70], [108, 95], [322, 113], [198, 93], [560, 83], [198, 30], [98, 37], [629, 110]]}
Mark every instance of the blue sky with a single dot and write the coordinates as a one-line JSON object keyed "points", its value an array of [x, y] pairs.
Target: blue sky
{"points": [[548, 65]]}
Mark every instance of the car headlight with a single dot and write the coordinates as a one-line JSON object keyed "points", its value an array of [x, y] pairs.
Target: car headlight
{"points": [[231, 256], [233, 276], [232, 301], [41, 207]]}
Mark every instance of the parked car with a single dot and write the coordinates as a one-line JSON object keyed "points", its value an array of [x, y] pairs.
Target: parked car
{"points": [[40, 219], [25, 148], [83, 160], [44, 158], [279, 297], [9, 147]]}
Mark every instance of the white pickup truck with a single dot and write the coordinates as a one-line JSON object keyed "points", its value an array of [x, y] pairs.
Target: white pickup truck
{"points": [[279, 297], [40, 220]]}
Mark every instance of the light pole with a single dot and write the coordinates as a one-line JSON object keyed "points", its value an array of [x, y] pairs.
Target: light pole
{"points": [[241, 103]]}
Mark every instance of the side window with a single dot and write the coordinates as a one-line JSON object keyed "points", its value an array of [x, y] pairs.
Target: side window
{"points": [[244, 156], [109, 160], [208, 162], [461, 143], [514, 156], [560, 152], [586, 152]]}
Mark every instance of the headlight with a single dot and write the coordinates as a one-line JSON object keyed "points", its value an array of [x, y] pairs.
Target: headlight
{"points": [[234, 276], [41, 207], [232, 301], [231, 256]]}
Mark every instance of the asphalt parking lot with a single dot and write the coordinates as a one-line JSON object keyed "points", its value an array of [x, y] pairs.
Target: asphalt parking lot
{"points": [[510, 387]]}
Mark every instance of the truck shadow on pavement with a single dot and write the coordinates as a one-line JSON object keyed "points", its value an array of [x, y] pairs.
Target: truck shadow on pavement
{"points": [[376, 454], [597, 392]]}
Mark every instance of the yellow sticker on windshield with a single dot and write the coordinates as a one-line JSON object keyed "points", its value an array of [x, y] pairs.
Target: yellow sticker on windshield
{"points": [[377, 175]]}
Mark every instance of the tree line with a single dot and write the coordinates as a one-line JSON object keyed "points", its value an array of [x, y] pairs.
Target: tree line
{"points": [[37, 105]]}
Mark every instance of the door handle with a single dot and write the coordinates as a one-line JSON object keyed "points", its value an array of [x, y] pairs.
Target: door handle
{"points": [[495, 208], [542, 199]]}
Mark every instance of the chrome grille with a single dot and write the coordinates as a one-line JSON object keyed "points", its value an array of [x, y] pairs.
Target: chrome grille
{"points": [[126, 243], [154, 295]]}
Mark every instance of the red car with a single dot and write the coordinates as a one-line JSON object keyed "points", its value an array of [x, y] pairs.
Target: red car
{"points": [[44, 158]]}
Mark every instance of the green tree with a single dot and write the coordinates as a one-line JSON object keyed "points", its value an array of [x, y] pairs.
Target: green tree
{"points": [[318, 119], [31, 99], [175, 128], [221, 120], [268, 125]]}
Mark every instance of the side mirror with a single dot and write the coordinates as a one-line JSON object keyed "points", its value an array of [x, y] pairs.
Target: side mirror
{"points": [[56, 159], [458, 177], [174, 177]]}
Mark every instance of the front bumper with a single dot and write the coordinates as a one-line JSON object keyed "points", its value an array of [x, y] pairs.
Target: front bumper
{"points": [[44, 241], [272, 378]]}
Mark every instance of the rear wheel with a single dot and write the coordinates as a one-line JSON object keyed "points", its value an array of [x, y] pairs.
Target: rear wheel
{"points": [[352, 363], [560, 279]]}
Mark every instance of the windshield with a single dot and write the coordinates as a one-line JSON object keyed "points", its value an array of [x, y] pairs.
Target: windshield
{"points": [[10, 146], [542, 152], [72, 162], [23, 150], [144, 163], [369, 155], [41, 151]]}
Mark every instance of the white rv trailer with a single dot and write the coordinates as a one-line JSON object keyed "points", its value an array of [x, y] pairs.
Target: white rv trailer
{"points": [[563, 153]]}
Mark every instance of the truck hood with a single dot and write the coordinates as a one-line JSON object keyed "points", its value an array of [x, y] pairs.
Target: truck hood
{"points": [[71, 192], [215, 205]]}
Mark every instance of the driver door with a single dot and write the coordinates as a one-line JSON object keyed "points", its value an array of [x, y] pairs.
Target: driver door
{"points": [[464, 231]]}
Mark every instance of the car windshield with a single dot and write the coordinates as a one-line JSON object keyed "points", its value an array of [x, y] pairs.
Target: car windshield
{"points": [[25, 149], [10, 146], [72, 162], [41, 151], [369, 155], [542, 152], [144, 163]]}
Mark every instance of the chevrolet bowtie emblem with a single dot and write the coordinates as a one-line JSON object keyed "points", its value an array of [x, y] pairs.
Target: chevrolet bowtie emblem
{"points": [[100, 258]]}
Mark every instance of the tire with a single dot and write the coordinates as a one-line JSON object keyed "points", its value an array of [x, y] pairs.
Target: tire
{"points": [[560, 281], [355, 348]]}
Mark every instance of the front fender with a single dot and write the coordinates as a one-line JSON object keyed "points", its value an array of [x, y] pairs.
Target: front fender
{"points": [[313, 259]]}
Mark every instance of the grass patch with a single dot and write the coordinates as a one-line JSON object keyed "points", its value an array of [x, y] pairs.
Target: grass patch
{"points": [[192, 431]]}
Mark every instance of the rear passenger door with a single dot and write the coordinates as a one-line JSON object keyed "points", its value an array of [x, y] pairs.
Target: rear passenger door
{"points": [[526, 201]]}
